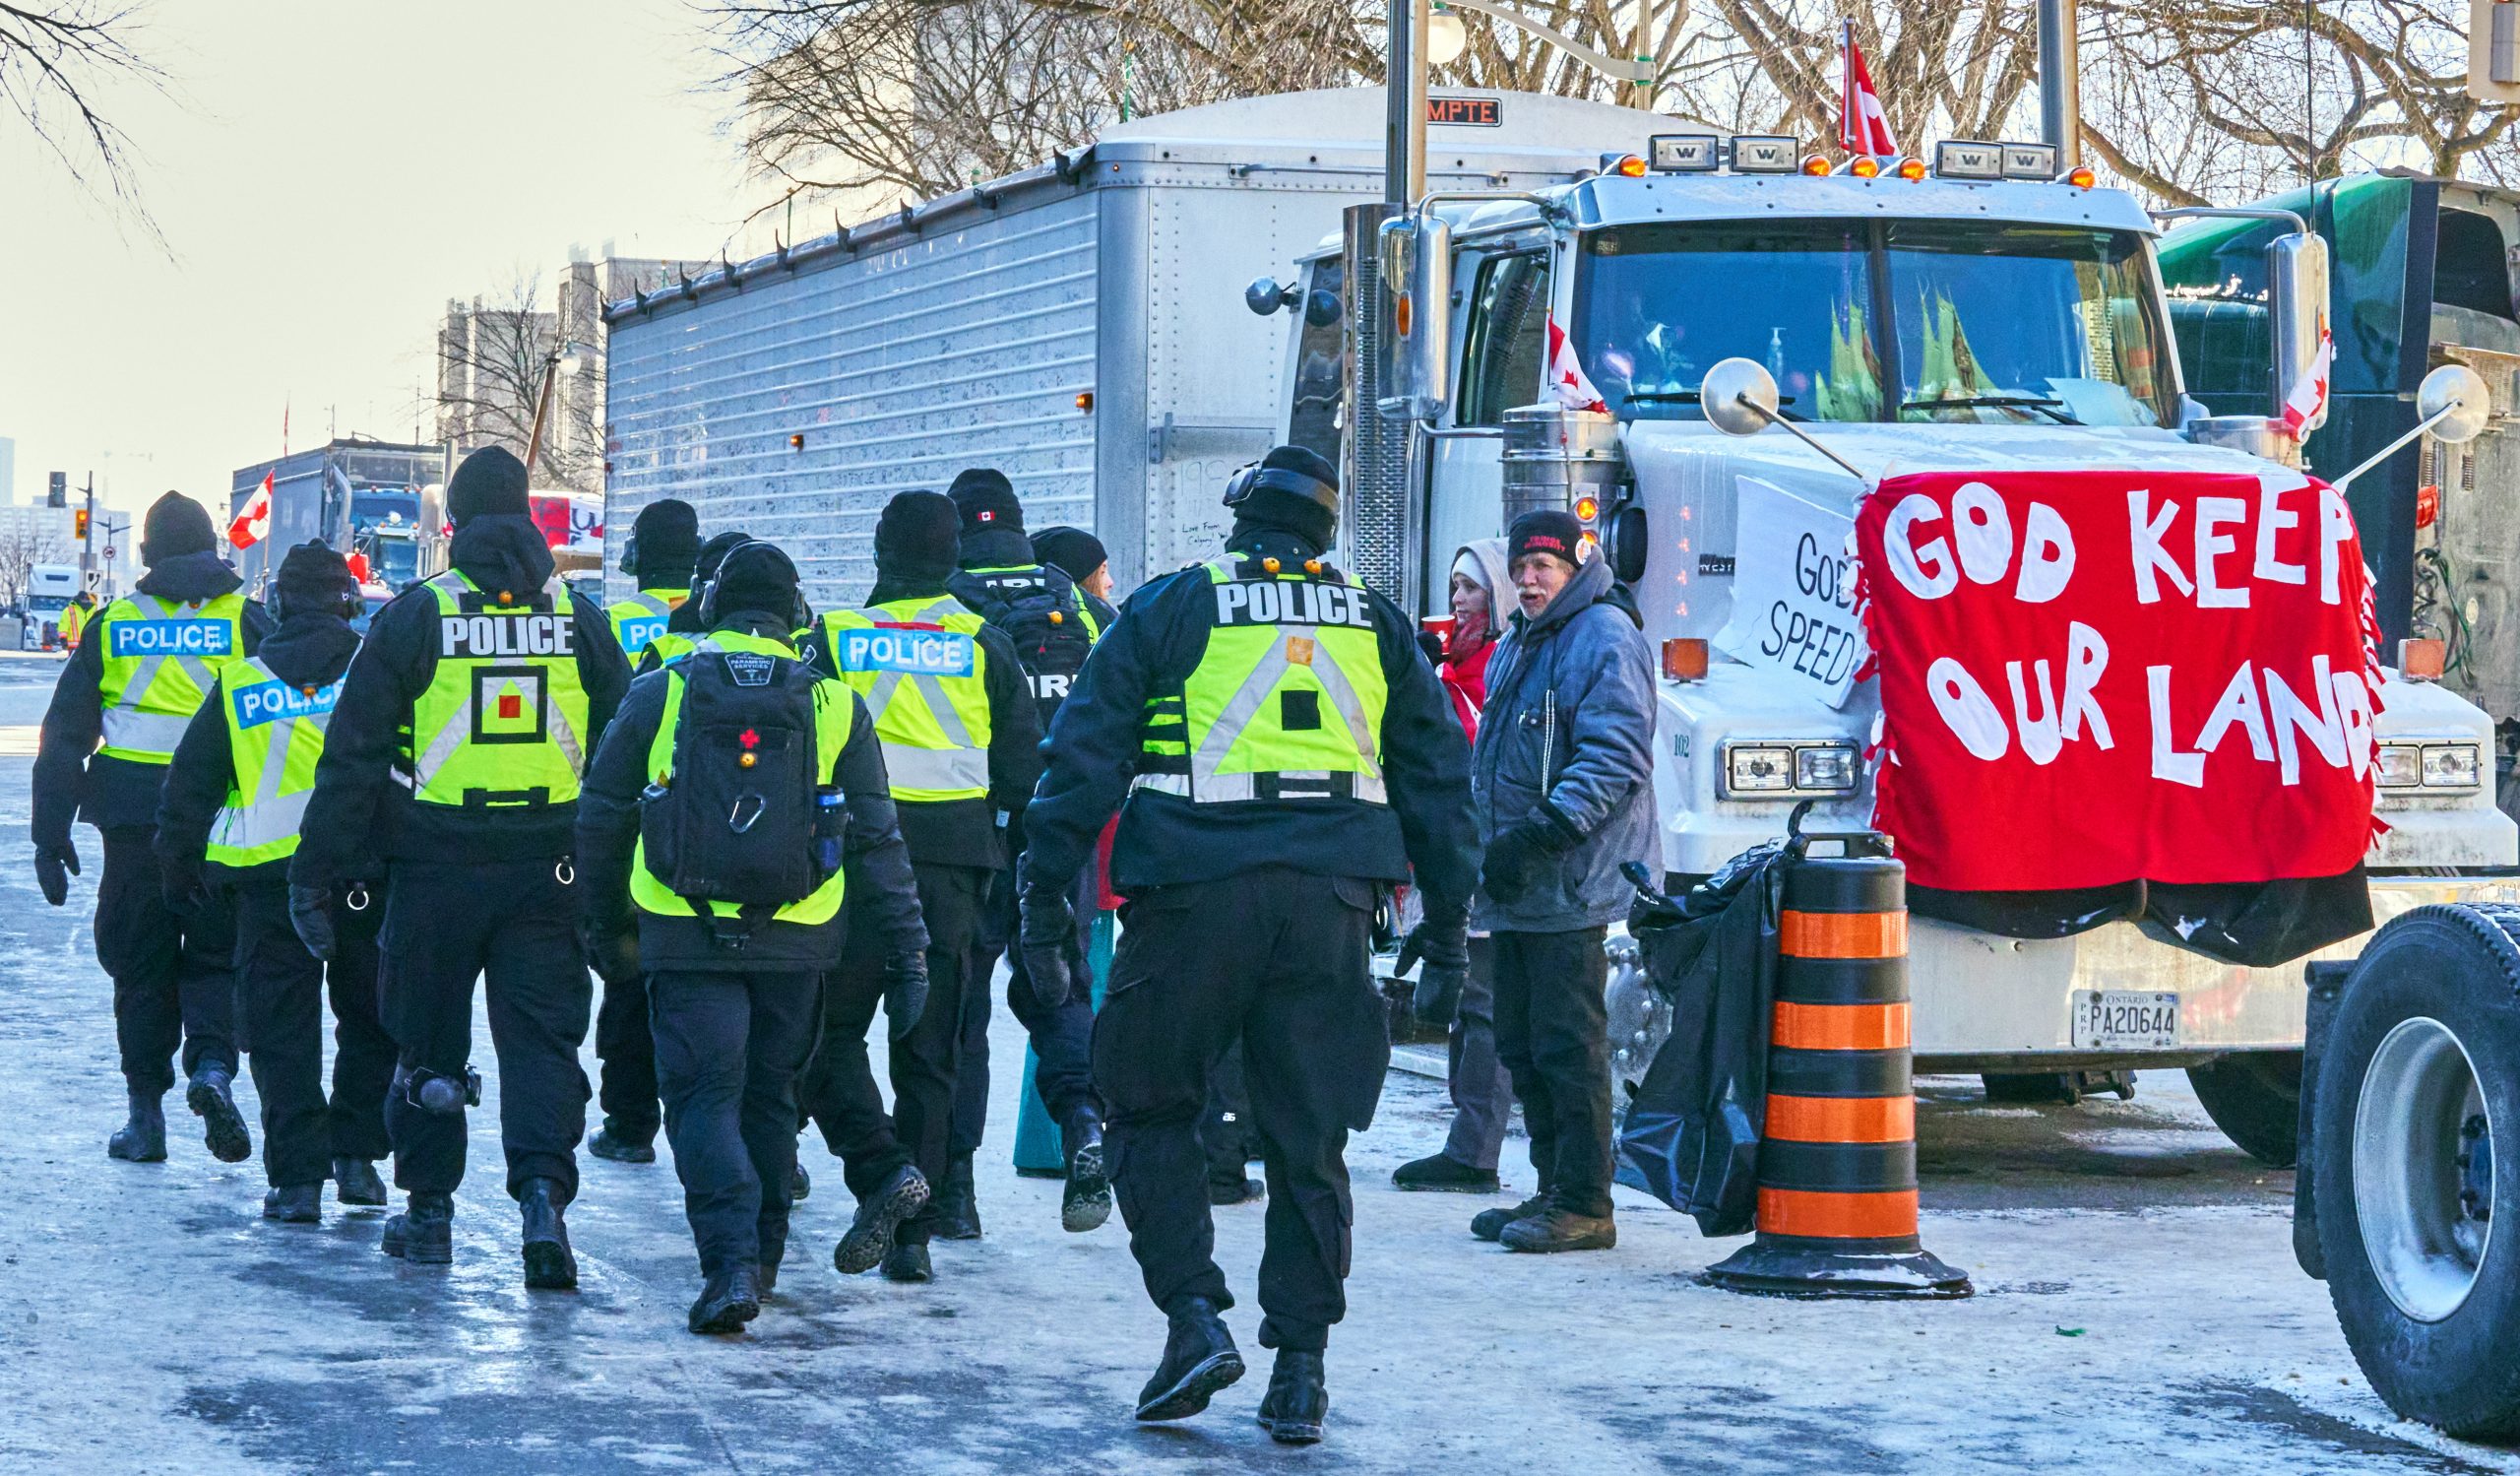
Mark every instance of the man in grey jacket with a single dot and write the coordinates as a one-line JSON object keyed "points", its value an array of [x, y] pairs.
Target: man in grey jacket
{"points": [[1562, 772]]}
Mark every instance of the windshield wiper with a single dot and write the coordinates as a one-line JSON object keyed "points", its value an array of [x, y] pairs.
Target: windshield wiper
{"points": [[1691, 397], [2047, 408]]}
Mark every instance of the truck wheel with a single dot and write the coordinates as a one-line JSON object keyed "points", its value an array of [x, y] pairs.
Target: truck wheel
{"points": [[2419, 1075], [2255, 1098]]}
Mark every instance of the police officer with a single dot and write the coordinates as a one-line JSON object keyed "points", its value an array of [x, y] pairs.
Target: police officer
{"points": [[663, 547], [234, 797], [1285, 751], [1053, 624], [962, 745], [736, 991], [120, 707], [454, 754], [683, 627]]}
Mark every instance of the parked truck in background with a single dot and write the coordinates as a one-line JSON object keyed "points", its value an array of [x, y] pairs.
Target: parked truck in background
{"points": [[49, 590], [364, 498]]}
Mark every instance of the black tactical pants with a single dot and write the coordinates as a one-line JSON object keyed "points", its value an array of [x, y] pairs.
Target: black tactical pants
{"points": [[174, 970], [1278, 958], [1552, 1033], [627, 1046], [280, 994], [1062, 1037], [513, 923], [844, 1100], [728, 1049]]}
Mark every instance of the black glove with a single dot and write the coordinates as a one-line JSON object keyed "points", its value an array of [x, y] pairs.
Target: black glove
{"points": [[181, 883], [1047, 934], [55, 864], [1518, 855], [612, 951], [310, 912], [905, 992], [1445, 947]]}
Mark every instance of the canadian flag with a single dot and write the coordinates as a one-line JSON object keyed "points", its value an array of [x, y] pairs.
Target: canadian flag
{"points": [[1862, 127], [2308, 401], [254, 520], [1567, 380]]}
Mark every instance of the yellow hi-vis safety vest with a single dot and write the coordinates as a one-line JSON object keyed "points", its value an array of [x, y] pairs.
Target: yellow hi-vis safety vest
{"points": [[275, 736], [502, 720], [160, 659], [1288, 698], [641, 618], [834, 713], [922, 670]]}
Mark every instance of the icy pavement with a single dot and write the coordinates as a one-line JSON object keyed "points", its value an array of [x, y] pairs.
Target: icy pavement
{"points": [[2138, 1310]]}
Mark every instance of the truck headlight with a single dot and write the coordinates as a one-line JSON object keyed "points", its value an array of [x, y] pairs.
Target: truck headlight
{"points": [[2432, 766], [2401, 765], [1756, 768]]}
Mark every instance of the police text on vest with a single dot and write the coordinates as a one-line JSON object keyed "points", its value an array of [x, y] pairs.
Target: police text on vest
{"points": [[1288, 602], [506, 635]]}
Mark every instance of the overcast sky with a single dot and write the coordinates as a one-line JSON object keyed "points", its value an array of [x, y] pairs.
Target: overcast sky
{"points": [[326, 174]]}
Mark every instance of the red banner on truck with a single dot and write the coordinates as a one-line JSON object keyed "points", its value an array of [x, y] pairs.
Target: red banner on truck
{"points": [[2090, 677]]}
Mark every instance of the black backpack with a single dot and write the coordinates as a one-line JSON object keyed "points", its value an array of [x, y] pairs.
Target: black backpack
{"points": [[736, 821], [1040, 610]]}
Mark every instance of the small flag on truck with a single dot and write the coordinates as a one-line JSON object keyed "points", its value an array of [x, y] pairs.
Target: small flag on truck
{"points": [[1567, 381], [2308, 400], [1863, 125], [254, 520]]}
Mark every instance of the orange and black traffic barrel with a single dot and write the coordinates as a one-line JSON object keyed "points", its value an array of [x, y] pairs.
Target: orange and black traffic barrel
{"points": [[1837, 1174]]}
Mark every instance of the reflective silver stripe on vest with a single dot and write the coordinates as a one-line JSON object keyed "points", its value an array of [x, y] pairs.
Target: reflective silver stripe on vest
{"points": [[936, 768], [147, 732], [1253, 694], [1226, 787], [654, 605]]}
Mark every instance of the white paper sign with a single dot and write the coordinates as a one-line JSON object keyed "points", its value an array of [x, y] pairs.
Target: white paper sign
{"points": [[1794, 591]]}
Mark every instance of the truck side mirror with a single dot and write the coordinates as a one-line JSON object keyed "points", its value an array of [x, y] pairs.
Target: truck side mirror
{"points": [[1739, 397], [2297, 289], [1264, 296], [2458, 394], [1416, 257]]}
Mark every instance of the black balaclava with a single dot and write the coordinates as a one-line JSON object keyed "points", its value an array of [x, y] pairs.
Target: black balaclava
{"points": [[686, 615], [313, 580], [667, 544], [490, 481], [175, 526], [918, 540], [1072, 551], [1272, 509], [756, 578], [986, 501]]}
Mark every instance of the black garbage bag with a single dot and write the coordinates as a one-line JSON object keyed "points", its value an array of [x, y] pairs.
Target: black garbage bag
{"points": [[1692, 1129]]}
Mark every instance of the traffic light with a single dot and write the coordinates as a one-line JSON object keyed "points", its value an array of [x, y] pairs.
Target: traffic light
{"points": [[79, 525]]}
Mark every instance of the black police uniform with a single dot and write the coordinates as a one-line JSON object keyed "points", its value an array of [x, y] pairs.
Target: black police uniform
{"points": [[735, 1026], [173, 969], [282, 990], [1249, 918], [475, 890]]}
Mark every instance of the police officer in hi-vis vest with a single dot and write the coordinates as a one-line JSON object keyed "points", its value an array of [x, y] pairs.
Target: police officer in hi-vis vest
{"points": [[663, 547], [1284, 750], [683, 627], [228, 822], [455, 754], [961, 746], [143, 666], [735, 799]]}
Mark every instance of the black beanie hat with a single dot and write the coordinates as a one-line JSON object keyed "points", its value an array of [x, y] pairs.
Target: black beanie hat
{"points": [[754, 576], [986, 500], [176, 525], [1304, 513], [669, 535], [920, 536], [713, 554], [313, 578], [488, 481], [1072, 551], [1546, 530]]}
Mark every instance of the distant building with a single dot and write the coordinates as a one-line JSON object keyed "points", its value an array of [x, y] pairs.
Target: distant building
{"points": [[8, 470]]}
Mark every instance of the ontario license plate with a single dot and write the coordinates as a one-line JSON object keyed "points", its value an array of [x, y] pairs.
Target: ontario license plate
{"points": [[2125, 1020]]}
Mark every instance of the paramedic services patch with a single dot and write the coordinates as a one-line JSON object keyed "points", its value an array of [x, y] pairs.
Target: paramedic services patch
{"points": [[749, 668], [913, 650], [509, 705], [2090, 677]]}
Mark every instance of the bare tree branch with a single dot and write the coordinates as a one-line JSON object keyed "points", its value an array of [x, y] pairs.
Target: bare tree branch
{"points": [[54, 61]]}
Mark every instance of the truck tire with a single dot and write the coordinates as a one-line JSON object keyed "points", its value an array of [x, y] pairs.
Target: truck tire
{"points": [[2255, 1098], [2419, 1076]]}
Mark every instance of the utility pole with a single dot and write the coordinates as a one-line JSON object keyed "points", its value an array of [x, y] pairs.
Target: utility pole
{"points": [[2060, 96], [88, 542]]}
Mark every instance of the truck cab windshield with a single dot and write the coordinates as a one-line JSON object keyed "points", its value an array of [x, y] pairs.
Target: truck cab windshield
{"points": [[1990, 323]]}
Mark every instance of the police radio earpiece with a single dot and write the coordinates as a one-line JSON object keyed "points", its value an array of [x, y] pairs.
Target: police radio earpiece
{"points": [[630, 555], [1259, 477]]}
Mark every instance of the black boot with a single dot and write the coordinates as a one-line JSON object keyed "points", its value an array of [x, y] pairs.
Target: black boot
{"points": [[879, 1214], [799, 1184], [1445, 1173], [908, 1261], [1087, 1201], [1299, 1398], [294, 1203], [774, 1249], [958, 1208], [1489, 1224], [1223, 1192], [1554, 1230], [728, 1300], [549, 1264], [1199, 1358], [143, 1139], [354, 1181], [424, 1233], [222, 1125], [610, 1142]]}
